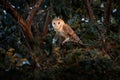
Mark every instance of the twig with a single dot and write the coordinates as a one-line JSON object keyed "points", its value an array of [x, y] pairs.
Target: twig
{"points": [[90, 11], [45, 30], [108, 11]]}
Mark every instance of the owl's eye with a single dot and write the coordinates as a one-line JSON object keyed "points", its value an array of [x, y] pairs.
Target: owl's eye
{"points": [[58, 22]]}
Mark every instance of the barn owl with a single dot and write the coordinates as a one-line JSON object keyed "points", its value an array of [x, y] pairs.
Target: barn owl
{"points": [[64, 30]]}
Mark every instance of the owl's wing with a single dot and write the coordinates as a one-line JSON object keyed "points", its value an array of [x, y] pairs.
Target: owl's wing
{"points": [[68, 30]]}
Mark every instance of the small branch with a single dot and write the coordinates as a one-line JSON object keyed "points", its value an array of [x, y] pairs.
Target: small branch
{"points": [[28, 8], [90, 11], [45, 30], [33, 12], [108, 11], [91, 2]]}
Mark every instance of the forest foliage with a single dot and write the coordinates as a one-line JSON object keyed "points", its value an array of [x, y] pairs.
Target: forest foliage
{"points": [[26, 34]]}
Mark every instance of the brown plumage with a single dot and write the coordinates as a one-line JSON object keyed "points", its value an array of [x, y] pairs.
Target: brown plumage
{"points": [[65, 31]]}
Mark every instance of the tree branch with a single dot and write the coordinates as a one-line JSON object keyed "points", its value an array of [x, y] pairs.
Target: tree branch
{"points": [[90, 11], [27, 8], [33, 12], [91, 2], [108, 11], [45, 30]]}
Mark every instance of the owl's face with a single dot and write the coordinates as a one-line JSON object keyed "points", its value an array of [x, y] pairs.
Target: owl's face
{"points": [[57, 23]]}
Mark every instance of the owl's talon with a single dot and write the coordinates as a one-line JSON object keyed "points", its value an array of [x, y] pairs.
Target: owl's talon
{"points": [[62, 46], [63, 43]]}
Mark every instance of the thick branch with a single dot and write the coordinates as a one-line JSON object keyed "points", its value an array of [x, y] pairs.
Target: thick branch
{"points": [[33, 12], [28, 8], [91, 2], [90, 11], [108, 11], [45, 30]]}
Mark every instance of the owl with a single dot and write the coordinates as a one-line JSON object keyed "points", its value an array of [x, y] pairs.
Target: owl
{"points": [[64, 30]]}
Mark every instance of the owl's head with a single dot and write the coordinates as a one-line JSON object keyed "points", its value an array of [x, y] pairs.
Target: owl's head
{"points": [[57, 23]]}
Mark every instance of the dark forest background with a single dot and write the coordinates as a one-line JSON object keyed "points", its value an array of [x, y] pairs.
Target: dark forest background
{"points": [[26, 33]]}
